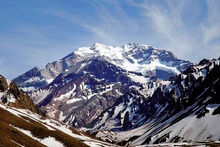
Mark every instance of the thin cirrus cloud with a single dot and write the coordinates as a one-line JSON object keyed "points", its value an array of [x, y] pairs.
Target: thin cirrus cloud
{"points": [[109, 24], [39, 32], [167, 22], [188, 28], [211, 29]]}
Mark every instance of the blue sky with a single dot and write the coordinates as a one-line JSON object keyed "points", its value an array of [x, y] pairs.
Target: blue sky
{"points": [[35, 32]]}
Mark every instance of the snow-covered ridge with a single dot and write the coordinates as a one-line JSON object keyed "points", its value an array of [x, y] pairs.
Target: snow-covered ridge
{"points": [[133, 57]]}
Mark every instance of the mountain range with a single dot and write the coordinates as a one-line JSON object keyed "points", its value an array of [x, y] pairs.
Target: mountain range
{"points": [[131, 95], [92, 78]]}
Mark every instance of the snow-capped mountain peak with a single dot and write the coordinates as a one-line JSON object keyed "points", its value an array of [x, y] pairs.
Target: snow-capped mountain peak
{"points": [[133, 57]]}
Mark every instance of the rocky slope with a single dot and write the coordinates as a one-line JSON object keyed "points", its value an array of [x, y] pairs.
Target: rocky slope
{"points": [[184, 110]]}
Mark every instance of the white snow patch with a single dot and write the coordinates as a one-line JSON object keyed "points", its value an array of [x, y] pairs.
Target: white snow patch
{"points": [[34, 79], [8, 82], [11, 99], [48, 141], [49, 80], [51, 142], [39, 95], [73, 100], [61, 117], [27, 89], [17, 143], [137, 78], [66, 95]]}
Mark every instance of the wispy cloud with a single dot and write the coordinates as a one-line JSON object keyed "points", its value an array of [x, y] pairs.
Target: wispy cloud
{"points": [[211, 28], [109, 23], [187, 35]]}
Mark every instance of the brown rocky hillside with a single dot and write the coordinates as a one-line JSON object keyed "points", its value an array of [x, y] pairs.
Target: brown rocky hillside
{"points": [[10, 136], [12, 96]]}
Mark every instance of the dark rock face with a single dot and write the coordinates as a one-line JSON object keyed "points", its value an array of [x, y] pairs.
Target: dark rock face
{"points": [[3, 84], [126, 122]]}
